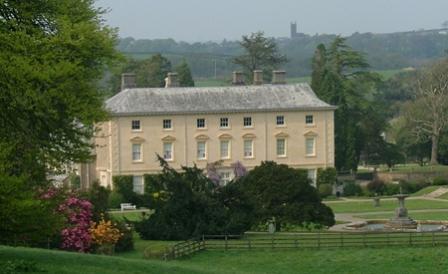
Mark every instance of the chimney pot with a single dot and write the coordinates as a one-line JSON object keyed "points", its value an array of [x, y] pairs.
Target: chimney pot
{"points": [[258, 77], [128, 81], [237, 78], [171, 80], [278, 77]]}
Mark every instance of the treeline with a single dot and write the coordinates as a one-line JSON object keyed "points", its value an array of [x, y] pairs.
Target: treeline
{"points": [[383, 51]]}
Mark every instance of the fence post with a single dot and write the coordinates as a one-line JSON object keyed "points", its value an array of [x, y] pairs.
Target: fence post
{"points": [[226, 242], [248, 244], [388, 240], [296, 243], [272, 242], [364, 239], [318, 239], [342, 240], [410, 238], [433, 244]]}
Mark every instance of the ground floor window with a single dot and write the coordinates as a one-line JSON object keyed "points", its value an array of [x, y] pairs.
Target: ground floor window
{"points": [[226, 177], [312, 176], [168, 151], [137, 184]]}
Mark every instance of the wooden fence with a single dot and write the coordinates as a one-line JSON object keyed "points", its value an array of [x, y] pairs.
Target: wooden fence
{"points": [[184, 248], [324, 240]]}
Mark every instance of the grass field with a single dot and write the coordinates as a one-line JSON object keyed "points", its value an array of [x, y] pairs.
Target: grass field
{"points": [[367, 206], [131, 216], [416, 168], [364, 260]]}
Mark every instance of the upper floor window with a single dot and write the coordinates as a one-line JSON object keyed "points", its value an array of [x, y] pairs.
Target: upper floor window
{"points": [[310, 146], [167, 124], [281, 147], [224, 122], [280, 120], [248, 148], [202, 153], [225, 149], [168, 151], [309, 119], [200, 123], [135, 125], [137, 184], [247, 121], [136, 152]]}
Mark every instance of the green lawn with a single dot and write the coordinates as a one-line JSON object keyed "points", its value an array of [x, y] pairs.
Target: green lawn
{"points": [[130, 215], [363, 260], [439, 216], [416, 168], [367, 206]]}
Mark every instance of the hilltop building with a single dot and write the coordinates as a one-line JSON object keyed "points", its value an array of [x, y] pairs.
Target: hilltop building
{"points": [[200, 125], [293, 30]]}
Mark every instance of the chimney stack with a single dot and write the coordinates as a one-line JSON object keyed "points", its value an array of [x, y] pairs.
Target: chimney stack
{"points": [[128, 81], [278, 77], [171, 80], [237, 79], [258, 77]]}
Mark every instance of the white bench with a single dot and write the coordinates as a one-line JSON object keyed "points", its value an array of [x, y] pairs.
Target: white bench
{"points": [[125, 206]]}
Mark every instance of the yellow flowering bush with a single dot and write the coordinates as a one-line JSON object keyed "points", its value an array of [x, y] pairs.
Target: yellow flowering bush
{"points": [[104, 232]]}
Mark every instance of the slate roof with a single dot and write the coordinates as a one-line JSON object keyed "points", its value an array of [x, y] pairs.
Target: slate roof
{"points": [[198, 100]]}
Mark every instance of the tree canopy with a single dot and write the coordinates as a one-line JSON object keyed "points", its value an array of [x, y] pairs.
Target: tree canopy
{"points": [[260, 53], [340, 78], [53, 55]]}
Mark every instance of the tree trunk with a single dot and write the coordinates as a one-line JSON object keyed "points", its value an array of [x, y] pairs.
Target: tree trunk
{"points": [[434, 148]]}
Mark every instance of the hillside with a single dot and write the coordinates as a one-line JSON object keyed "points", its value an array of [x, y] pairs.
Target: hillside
{"points": [[383, 51]]}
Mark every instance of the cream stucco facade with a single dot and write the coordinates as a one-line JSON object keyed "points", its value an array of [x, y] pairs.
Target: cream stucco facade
{"points": [[127, 144]]}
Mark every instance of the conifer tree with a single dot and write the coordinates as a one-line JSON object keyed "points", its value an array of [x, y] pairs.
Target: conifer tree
{"points": [[184, 75]]}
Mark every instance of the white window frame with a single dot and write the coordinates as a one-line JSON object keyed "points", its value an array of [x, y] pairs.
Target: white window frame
{"points": [[312, 175], [171, 151], [226, 177], [312, 119], [135, 122], [201, 155], [249, 119], [228, 156], [138, 189], [167, 122], [277, 147], [280, 118], [204, 123], [140, 152], [224, 122], [252, 149], [313, 140]]}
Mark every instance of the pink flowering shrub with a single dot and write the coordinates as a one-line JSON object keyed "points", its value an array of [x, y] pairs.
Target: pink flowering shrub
{"points": [[76, 236]]}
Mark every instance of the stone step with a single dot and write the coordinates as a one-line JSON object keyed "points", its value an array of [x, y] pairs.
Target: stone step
{"points": [[438, 192]]}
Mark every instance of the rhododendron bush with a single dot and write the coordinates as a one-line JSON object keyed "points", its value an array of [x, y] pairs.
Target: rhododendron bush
{"points": [[76, 235]]}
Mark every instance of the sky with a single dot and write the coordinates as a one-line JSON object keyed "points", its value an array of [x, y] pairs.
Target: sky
{"points": [[215, 20]]}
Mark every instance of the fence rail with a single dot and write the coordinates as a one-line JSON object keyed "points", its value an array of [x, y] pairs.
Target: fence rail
{"points": [[184, 248], [325, 240]]}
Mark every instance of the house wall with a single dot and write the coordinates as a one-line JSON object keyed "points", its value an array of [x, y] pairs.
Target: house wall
{"points": [[115, 139]]}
